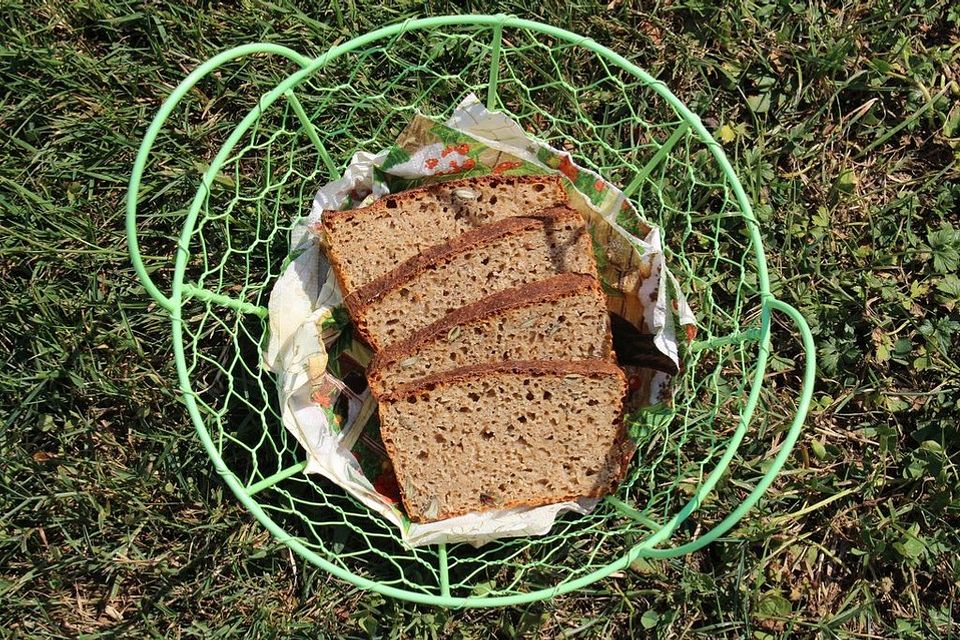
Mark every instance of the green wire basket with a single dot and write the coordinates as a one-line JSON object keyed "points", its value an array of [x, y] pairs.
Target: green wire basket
{"points": [[576, 95]]}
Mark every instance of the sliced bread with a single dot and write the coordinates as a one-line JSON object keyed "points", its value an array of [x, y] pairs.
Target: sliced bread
{"points": [[366, 243], [515, 433], [469, 268], [561, 318]]}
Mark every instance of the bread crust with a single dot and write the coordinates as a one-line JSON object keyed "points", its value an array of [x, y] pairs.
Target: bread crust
{"points": [[333, 217]]}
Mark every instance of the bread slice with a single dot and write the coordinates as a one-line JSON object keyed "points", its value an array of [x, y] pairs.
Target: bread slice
{"points": [[365, 244], [561, 318], [505, 435], [468, 268]]}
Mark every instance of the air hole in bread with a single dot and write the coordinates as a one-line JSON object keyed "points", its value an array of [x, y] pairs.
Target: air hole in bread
{"points": [[391, 203], [423, 455], [539, 187]]}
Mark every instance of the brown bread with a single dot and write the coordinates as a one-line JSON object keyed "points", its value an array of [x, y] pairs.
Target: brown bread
{"points": [[561, 318], [505, 435], [468, 268], [366, 243]]}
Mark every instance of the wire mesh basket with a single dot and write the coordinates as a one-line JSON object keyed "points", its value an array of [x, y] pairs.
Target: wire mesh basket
{"points": [[572, 93]]}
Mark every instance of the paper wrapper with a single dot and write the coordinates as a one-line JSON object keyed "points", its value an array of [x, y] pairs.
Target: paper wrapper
{"points": [[324, 400]]}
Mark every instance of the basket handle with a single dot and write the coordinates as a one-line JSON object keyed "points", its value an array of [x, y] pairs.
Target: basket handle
{"points": [[806, 394], [153, 131]]}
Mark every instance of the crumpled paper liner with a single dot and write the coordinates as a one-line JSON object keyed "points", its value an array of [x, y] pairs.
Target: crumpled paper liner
{"points": [[319, 367]]}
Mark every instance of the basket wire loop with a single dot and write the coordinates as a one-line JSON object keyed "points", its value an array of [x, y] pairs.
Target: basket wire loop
{"points": [[150, 137], [438, 589]]}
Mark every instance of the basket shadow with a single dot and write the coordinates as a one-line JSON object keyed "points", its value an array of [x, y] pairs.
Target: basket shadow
{"points": [[312, 509], [346, 532], [342, 530]]}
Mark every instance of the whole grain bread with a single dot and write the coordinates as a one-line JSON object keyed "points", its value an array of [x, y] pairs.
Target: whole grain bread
{"points": [[366, 243], [515, 433], [470, 267], [561, 318]]}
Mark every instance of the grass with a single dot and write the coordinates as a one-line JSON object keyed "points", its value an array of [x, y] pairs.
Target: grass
{"points": [[843, 122]]}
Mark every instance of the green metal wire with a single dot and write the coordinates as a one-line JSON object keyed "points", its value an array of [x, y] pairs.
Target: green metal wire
{"points": [[571, 92]]}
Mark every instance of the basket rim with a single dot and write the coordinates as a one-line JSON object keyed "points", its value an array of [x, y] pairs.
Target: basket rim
{"points": [[645, 548]]}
